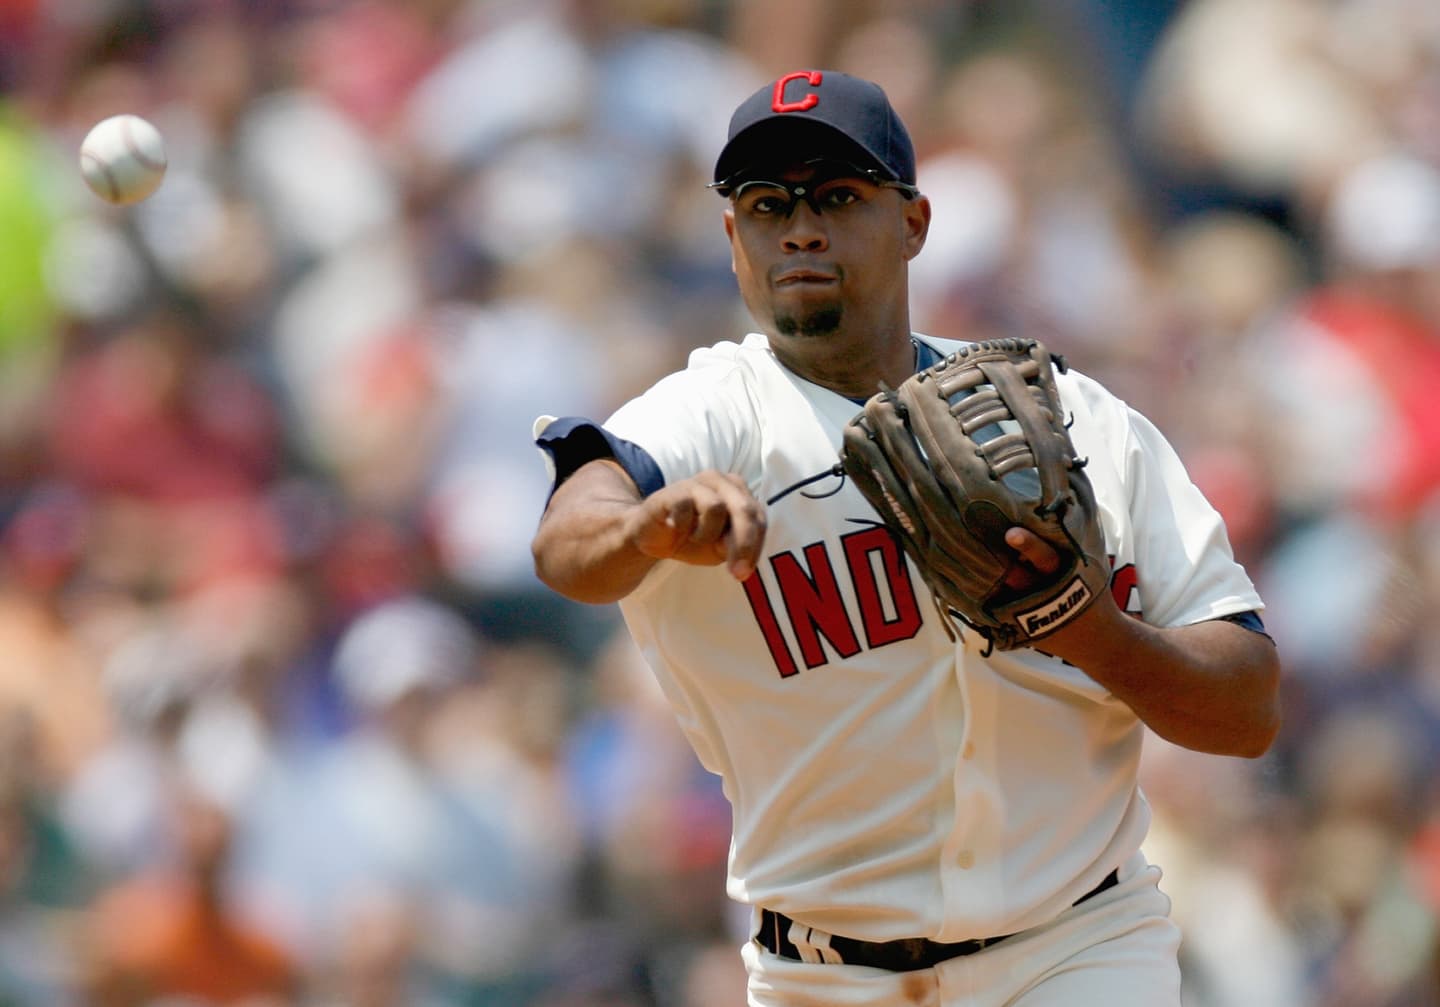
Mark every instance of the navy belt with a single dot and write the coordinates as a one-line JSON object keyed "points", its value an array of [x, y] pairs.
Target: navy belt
{"points": [[905, 955]]}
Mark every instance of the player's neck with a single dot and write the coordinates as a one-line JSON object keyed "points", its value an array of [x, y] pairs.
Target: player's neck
{"points": [[852, 366]]}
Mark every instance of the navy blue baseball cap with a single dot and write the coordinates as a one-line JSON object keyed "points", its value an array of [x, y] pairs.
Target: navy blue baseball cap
{"points": [[815, 113]]}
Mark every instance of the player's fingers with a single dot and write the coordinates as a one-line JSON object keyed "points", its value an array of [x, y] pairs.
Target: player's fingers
{"points": [[665, 520], [708, 519], [680, 515], [729, 526], [1034, 551], [1020, 577], [711, 514], [745, 532]]}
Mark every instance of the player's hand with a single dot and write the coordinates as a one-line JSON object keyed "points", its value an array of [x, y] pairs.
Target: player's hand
{"points": [[1036, 560], [706, 520]]}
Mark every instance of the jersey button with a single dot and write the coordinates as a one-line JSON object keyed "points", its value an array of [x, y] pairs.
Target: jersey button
{"points": [[965, 860], [968, 752]]}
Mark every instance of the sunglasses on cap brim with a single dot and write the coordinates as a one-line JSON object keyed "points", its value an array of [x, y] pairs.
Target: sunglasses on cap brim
{"points": [[840, 169]]}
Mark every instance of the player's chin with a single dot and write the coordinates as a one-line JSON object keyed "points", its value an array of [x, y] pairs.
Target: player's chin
{"points": [[817, 319]]}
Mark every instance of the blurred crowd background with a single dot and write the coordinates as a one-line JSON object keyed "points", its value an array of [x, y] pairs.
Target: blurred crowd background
{"points": [[285, 718]]}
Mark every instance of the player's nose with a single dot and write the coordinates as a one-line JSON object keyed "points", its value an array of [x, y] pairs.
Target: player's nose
{"points": [[804, 230]]}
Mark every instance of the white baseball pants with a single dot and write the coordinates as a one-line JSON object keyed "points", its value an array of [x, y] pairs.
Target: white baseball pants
{"points": [[1118, 949]]}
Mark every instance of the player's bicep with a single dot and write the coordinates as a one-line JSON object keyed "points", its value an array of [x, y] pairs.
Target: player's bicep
{"points": [[599, 482]]}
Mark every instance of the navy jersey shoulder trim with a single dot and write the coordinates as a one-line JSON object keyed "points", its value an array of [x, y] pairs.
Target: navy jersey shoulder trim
{"points": [[571, 441], [1249, 620]]}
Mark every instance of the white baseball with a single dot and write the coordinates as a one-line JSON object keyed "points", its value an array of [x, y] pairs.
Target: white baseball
{"points": [[123, 159]]}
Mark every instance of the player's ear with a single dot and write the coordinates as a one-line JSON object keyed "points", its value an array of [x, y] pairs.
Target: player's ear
{"points": [[730, 233], [916, 218]]}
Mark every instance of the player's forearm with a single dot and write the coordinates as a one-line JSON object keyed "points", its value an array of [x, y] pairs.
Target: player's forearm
{"points": [[584, 549], [1211, 687]]}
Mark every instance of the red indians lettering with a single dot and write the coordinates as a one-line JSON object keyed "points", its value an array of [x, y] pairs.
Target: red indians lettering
{"points": [[815, 609], [816, 612], [1125, 588], [778, 102]]}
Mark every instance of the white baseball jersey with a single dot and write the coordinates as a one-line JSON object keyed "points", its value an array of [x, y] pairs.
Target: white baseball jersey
{"points": [[886, 781]]}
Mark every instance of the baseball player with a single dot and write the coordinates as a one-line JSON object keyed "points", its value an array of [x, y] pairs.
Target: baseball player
{"points": [[918, 819]]}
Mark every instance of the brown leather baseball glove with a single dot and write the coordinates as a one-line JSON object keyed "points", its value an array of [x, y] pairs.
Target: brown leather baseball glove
{"points": [[964, 451]]}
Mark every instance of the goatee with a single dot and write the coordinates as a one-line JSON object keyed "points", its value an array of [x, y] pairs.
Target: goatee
{"points": [[821, 322]]}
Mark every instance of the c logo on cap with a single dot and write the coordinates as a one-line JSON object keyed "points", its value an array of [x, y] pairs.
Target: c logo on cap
{"points": [[778, 102]]}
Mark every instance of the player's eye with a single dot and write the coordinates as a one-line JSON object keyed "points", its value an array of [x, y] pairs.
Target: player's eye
{"points": [[763, 201], [766, 206], [838, 195]]}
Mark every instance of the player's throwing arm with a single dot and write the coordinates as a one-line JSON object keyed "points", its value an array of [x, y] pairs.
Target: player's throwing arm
{"points": [[599, 537]]}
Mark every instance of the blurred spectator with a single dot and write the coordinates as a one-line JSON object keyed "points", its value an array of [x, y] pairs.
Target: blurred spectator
{"points": [[44, 880], [48, 678], [429, 835], [1376, 938], [174, 933], [118, 805], [655, 827], [1269, 125], [1360, 427]]}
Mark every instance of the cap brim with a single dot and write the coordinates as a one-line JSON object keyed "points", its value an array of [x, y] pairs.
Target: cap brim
{"points": [[781, 140]]}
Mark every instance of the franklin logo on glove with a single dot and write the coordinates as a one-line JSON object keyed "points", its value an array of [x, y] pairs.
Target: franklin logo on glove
{"points": [[1051, 616]]}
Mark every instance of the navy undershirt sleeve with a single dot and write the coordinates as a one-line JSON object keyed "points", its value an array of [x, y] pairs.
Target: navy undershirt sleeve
{"points": [[572, 441], [1249, 620], [925, 356]]}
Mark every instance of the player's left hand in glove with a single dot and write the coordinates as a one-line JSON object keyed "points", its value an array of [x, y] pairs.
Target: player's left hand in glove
{"points": [[959, 455]]}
